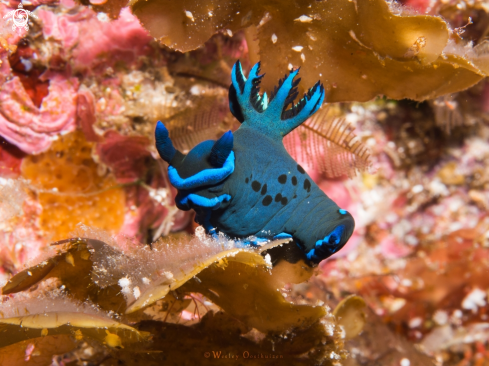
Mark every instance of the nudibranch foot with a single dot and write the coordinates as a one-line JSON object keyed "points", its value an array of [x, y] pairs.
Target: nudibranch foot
{"points": [[282, 236]]}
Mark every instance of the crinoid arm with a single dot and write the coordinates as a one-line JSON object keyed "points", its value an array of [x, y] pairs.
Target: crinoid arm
{"points": [[271, 116]]}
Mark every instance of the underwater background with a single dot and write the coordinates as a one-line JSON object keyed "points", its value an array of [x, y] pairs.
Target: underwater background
{"points": [[98, 266]]}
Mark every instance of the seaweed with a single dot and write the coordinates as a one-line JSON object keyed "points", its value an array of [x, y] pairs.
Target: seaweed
{"points": [[358, 49], [128, 299]]}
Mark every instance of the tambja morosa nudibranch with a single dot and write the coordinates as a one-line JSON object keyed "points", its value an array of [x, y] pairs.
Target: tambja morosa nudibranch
{"points": [[246, 184]]}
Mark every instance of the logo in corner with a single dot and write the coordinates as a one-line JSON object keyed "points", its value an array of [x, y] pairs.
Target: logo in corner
{"points": [[20, 17]]}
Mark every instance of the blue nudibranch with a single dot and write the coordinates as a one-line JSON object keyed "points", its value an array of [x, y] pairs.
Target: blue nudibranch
{"points": [[246, 184]]}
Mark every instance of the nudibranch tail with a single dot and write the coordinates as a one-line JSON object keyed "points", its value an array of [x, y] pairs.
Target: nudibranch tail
{"points": [[271, 115]]}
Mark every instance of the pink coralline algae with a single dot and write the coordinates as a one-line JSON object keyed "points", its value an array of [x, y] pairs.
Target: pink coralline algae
{"points": [[70, 58], [145, 212], [81, 41], [10, 160], [86, 114], [150, 205], [421, 6], [126, 156], [4, 66], [87, 42], [21, 239], [31, 128]]}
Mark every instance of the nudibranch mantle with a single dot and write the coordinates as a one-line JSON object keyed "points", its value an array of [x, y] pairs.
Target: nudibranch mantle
{"points": [[246, 184]]}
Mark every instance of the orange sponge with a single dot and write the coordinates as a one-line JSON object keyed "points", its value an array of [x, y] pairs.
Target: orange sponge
{"points": [[72, 188]]}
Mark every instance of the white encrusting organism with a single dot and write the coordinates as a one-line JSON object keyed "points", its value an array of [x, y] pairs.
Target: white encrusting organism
{"points": [[303, 19], [189, 15]]}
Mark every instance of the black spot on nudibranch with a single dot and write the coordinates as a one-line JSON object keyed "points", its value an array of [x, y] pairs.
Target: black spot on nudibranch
{"points": [[284, 201], [264, 189], [267, 200], [256, 185], [300, 169], [307, 185], [278, 197], [282, 179], [294, 180], [247, 180]]}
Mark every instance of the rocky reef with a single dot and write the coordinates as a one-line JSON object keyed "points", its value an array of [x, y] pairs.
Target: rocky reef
{"points": [[98, 265]]}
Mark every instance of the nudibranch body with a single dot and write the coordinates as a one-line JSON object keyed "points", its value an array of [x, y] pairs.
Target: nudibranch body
{"points": [[246, 184]]}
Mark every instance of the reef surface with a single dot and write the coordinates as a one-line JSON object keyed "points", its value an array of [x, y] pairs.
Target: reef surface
{"points": [[98, 264]]}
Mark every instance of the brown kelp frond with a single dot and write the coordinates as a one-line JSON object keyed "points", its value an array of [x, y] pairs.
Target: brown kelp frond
{"points": [[45, 310], [198, 122], [115, 272], [358, 49], [120, 294], [330, 145], [212, 63]]}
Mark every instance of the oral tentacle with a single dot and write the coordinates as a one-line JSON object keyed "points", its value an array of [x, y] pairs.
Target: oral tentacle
{"points": [[203, 178]]}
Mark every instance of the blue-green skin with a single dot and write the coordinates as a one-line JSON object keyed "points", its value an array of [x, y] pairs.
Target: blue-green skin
{"points": [[263, 192]]}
